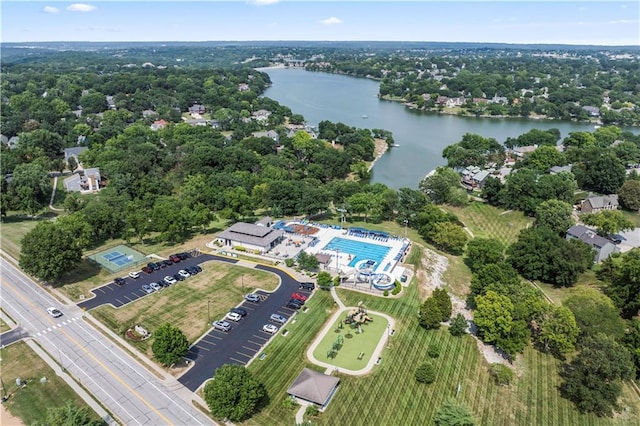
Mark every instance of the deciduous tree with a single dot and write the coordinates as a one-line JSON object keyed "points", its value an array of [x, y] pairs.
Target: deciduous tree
{"points": [[483, 251], [234, 393], [493, 316], [557, 330], [629, 194], [453, 413], [555, 215], [169, 344]]}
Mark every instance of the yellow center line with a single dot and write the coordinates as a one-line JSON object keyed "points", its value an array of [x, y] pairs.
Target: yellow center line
{"points": [[93, 357]]}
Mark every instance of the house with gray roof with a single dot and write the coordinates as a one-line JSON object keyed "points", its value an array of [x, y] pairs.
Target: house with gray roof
{"points": [[315, 387], [249, 236], [13, 142], [73, 152], [603, 247], [87, 180], [559, 169], [592, 110], [597, 203], [4, 139]]}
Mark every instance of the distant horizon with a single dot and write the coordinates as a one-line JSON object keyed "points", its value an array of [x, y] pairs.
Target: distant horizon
{"points": [[573, 23]]}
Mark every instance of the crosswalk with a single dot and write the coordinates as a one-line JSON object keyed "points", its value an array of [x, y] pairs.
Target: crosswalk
{"points": [[58, 325]]}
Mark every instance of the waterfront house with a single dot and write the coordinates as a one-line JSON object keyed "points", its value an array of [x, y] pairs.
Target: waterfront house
{"points": [[196, 109]]}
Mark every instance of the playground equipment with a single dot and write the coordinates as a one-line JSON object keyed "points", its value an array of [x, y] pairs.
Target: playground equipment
{"points": [[358, 316], [337, 345]]}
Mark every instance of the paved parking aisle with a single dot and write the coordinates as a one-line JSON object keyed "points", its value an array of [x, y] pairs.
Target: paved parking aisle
{"points": [[246, 338]]}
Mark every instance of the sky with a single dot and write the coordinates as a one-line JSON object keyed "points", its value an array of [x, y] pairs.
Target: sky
{"points": [[550, 22]]}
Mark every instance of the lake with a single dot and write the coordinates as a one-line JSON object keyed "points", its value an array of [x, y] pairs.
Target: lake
{"points": [[422, 136]]}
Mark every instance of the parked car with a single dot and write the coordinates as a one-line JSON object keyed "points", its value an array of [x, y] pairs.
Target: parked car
{"points": [[175, 258], [239, 311], [155, 266], [147, 289], [54, 312], [299, 296], [292, 305], [252, 298], [167, 262], [184, 255], [119, 281], [278, 318], [192, 270], [296, 302], [221, 325], [178, 277], [134, 275], [155, 286], [270, 328], [184, 273], [234, 316], [170, 280], [307, 286], [147, 270]]}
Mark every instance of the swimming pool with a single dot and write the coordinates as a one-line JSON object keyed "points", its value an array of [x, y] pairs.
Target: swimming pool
{"points": [[359, 250]]}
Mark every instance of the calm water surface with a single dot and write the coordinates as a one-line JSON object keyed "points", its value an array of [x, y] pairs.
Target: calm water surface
{"points": [[421, 136]]}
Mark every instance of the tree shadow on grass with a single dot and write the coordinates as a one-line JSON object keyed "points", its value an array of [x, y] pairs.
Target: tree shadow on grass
{"points": [[86, 269]]}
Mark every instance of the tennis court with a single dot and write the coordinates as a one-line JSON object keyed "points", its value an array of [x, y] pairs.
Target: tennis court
{"points": [[118, 258]]}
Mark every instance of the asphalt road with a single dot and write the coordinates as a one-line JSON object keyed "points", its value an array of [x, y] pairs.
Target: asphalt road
{"points": [[127, 389], [245, 338], [131, 291]]}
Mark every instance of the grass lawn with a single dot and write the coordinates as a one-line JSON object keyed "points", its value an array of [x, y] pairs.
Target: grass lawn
{"points": [[487, 221], [390, 395], [634, 217], [4, 326], [14, 227], [30, 402], [219, 287], [347, 355]]}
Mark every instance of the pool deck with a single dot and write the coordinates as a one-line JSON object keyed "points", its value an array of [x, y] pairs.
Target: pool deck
{"points": [[328, 328]]}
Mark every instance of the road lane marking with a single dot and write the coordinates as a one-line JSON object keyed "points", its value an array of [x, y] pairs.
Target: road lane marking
{"points": [[120, 302], [240, 353], [251, 349], [255, 343], [238, 361], [100, 290], [108, 370], [203, 348]]}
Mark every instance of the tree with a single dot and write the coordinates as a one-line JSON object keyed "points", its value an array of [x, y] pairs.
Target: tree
{"points": [[50, 142], [49, 250], [30, 187], [307, 261], [425, 373], [608, 221], [595, 313], [624, 287], [449, 237], [593, 379], [557, 330], [324, 279], [629, 194], [458, 325], [483, 251], [493, 316], [72, 164], [555, 215], [430, 316], [234, 393], [444, 303], [604, 175], [70, 415], [439, 186], [502, 374], [169, 344], [453, 413]]}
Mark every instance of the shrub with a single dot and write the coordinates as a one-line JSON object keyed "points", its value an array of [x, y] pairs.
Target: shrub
{"points": [[290, 403], [312, 411], [425, 373], [502, 374], [385, 293], [433, 351], [289, 262], [458, 325], [397, 288], [336, 281]]}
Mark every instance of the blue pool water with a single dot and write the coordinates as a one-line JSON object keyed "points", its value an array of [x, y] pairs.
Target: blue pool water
{"points": [[359, 250]]}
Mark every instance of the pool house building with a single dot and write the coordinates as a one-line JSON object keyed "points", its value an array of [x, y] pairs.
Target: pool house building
{"points": [[250, 237]]}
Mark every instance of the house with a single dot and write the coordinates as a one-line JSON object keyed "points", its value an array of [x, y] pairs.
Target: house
{"points": [[314, 387], [196, 109], [249, 236], [73, 152], [603, 247], [196, 122], [265, 221], [4, 139], [158, 124], [499, 100], [592, 111], [596, 203], [77, 112], [261, 115], [88, 180], [148, 113], [454, 102], [474, 177], [559, 169], [522, 151], [13, 142], [111, 103], [243, 87], [272, 134], [215, 124]]}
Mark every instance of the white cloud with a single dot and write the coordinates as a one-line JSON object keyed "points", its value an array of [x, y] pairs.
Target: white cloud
{"points": [[263, 2], [50, 9], [80, 7], [331, 21]]}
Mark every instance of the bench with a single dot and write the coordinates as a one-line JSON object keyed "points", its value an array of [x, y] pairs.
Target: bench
{"points": [[361, 355]]}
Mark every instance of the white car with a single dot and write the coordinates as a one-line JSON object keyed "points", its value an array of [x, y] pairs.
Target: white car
{"points": [[134, 274], [54, 312], [234, 316], [155, 286], [270, 328], [278, 318], [221, 325], [184, 274], [170, 280], [252, 298]]}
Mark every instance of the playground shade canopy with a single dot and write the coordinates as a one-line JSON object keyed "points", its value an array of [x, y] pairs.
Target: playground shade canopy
{"points": [[314, 387]]}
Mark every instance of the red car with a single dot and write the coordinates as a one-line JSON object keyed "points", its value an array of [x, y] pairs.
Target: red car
{"points": [[174, 258], [299, 296], [147, 270]]}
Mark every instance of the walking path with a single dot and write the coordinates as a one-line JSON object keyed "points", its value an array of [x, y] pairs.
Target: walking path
{"points": [[53, 195]]}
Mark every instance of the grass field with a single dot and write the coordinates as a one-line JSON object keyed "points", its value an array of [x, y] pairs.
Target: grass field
{"points": [[486, 221], [634, 217], [30, 402], [347, 356], [14, 227], [219, 287], [4, 326], [390, 395]]}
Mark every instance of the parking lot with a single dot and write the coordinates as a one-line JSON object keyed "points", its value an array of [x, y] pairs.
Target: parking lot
{"points": [[119, 295], [246, 337]]}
